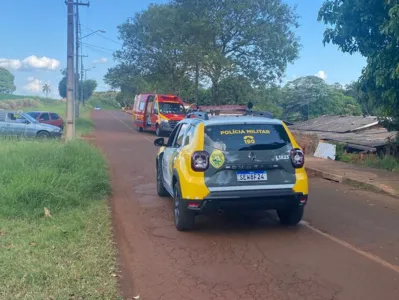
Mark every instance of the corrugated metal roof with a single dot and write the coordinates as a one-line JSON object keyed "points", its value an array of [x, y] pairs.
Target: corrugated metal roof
{"points": [[338, 124], [369, 137]]}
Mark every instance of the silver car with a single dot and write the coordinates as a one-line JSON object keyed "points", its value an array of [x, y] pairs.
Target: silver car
{"points": [[13, 123]]}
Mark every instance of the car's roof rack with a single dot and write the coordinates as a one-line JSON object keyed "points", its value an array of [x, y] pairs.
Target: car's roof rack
{"points": [[265, 114], [203, 112], [198, 115]]}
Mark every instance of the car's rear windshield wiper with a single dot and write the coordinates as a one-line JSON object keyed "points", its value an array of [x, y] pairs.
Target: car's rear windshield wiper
{"points": [[270, 146]]}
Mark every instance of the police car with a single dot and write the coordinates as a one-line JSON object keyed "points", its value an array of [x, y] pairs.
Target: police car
{"points": [[216, 164]]}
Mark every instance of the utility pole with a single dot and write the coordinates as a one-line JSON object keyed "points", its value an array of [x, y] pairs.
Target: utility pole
{"points": [[78, 36], [72, 85], [76, 81], [70, 133]]}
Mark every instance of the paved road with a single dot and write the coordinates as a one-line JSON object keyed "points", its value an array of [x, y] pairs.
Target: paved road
{"points": [[347, 248]]}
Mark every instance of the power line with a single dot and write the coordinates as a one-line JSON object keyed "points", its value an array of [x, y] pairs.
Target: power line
{"points": [[106, 49], [104, 37]]}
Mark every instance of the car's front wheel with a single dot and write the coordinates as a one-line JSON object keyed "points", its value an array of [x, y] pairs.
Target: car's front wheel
{"points": [[291, 216], [184, 218], [161, 191], [43, 135]]}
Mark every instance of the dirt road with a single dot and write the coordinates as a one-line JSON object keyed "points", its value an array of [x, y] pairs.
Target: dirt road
{"points": [[347, 248]]}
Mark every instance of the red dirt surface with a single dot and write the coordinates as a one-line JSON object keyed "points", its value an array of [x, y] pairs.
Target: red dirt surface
{"points": [[231, 258]]}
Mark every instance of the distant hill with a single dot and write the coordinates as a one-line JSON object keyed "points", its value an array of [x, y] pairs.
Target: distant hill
{"points": [[8, 101], [5, 97]]}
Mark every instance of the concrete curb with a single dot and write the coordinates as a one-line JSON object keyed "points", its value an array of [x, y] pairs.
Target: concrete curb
{"points": [[312, 172]]}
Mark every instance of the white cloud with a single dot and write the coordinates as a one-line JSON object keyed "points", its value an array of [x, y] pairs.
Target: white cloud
{"points": [[322, 75], [102, 60], [10, 63], [34, 85], [35, 62], [30, 62]]}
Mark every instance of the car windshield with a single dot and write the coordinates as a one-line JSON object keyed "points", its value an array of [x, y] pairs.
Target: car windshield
{"points": [[246, 137], [27, 116], [171, 108]]}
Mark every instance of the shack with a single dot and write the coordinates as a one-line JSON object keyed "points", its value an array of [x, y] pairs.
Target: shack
{"points": [[357, 133]]}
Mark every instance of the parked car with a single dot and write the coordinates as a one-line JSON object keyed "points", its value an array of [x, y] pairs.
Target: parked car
{"points": [[47, 117], [21, 124]]}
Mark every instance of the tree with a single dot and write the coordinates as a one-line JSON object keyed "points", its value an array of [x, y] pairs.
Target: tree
{"points": [[186, 40], [7, 85], [309, 97], [153, 44], [372, 29], [235, 90], [269, 99], [62, 85], [46, 89], [89, 86], [254, 39]]}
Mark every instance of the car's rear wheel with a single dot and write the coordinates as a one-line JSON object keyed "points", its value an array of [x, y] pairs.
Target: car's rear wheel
{"points": [[43, 135], [162, 192], [291, 216], [184, 218]]}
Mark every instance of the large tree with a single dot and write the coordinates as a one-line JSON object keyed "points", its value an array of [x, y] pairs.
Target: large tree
{"points": [[153, 44], [7, 85], [370, 27], [210, 40], [309, 97], [254, 39]]}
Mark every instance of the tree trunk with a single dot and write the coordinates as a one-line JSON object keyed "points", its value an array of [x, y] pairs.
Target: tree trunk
{"points": [[215, 89], [196, 83]]}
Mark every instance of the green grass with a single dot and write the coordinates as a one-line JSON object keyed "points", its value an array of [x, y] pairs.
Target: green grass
{"points": [[68, 255], [84, 124], [388, 163], [106, 100]]}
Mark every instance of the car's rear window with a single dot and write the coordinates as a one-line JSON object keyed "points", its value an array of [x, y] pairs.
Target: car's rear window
{"points": [[242, 137]]}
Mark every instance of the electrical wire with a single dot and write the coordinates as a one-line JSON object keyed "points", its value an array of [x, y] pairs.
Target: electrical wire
{"points": [[102, 36], [102, 48]]}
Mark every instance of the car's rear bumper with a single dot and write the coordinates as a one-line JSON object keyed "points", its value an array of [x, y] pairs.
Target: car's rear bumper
{"points": [[248, 200]]}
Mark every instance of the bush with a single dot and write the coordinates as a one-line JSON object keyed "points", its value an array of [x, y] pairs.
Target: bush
{"points": [[104, 99], [58, 176]]}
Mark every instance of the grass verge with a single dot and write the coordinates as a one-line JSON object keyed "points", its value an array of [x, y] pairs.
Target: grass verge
{"points": [[388, 163], [69, 254]]}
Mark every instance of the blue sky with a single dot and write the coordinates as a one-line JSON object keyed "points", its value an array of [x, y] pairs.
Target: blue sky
{"points": [[33, 42]]}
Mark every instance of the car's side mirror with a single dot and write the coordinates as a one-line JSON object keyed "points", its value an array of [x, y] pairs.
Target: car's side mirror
{"points": [[26, 122], [159, 142]]}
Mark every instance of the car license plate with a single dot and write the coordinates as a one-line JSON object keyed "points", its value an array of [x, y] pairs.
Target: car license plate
{"points": [[252, 176]]}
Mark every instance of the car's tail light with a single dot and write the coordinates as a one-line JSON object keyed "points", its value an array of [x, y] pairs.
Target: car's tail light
{"points": [[297, 158], [200, 161]]}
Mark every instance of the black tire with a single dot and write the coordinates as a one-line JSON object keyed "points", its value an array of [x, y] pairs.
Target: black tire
{"points": [[158, 132], [161, 191], [61, 127], [139, 129], [43, 135], [290, 217], [184, 218]]}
